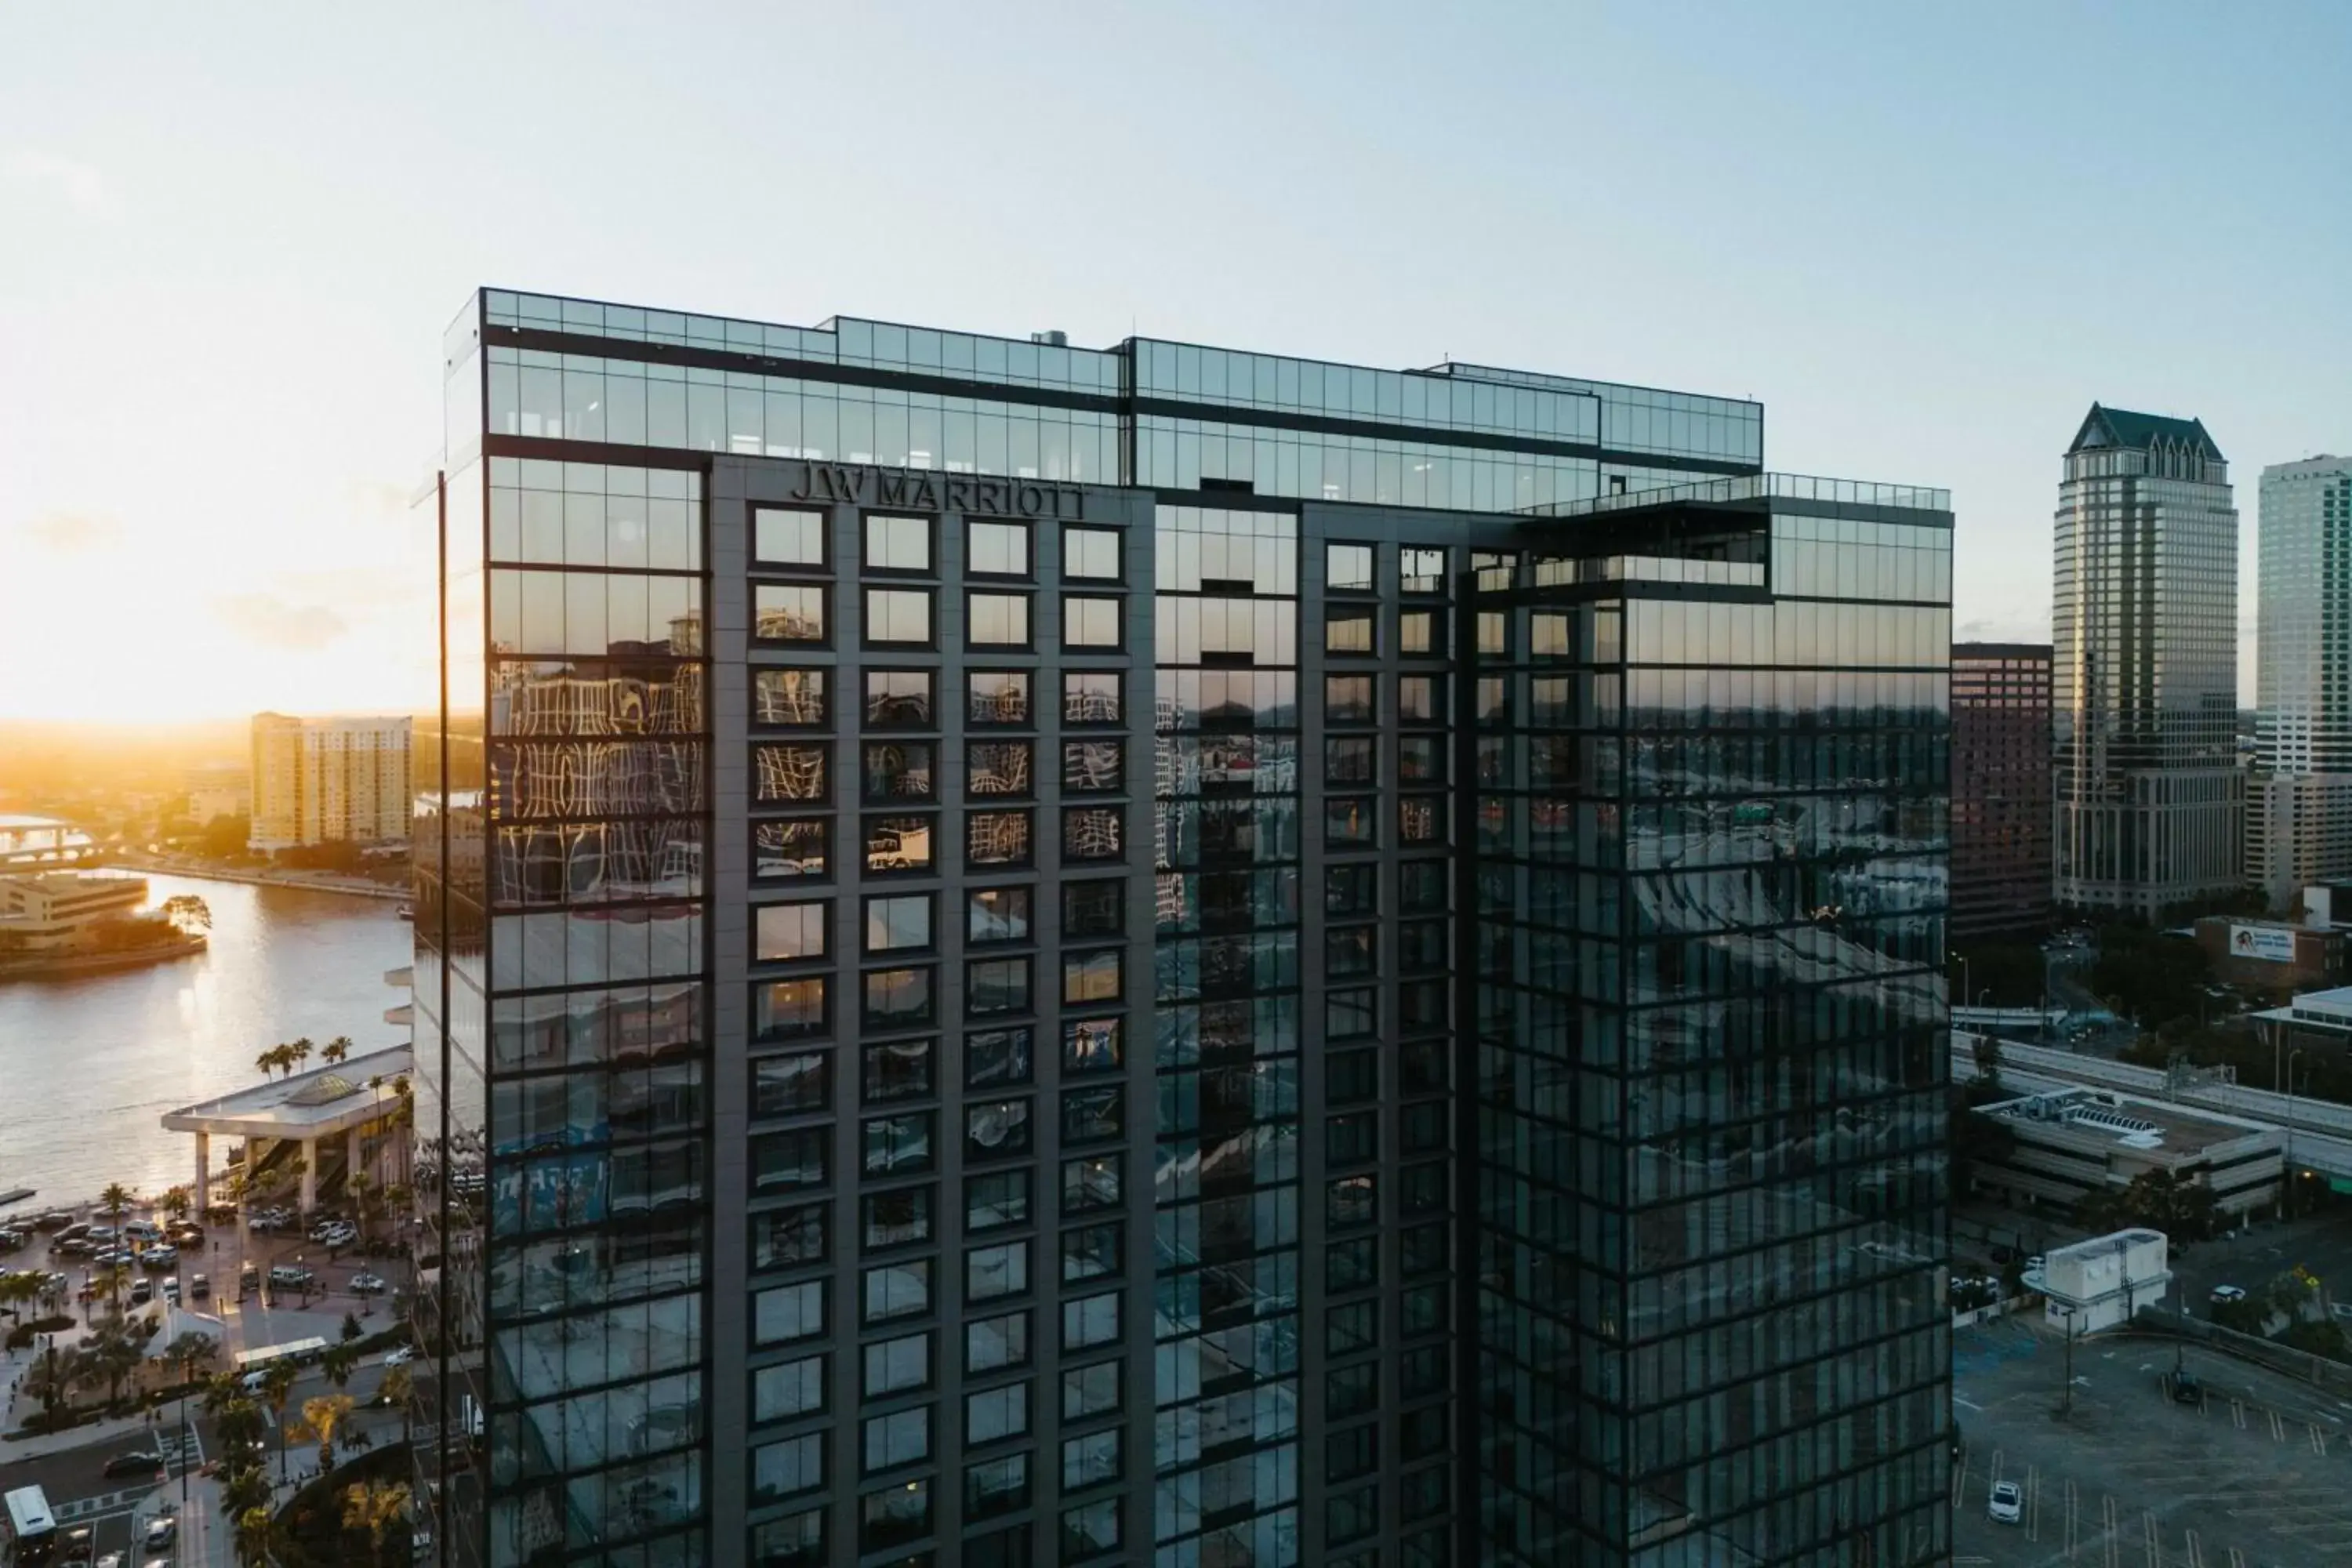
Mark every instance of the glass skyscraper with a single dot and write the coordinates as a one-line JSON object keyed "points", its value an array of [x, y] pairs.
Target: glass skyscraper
{"points": [[2150, 808], [2299, 813], [959, 981]]}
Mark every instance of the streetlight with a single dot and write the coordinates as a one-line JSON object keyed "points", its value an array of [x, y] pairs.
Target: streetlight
{"points": [[2286, 1176]]}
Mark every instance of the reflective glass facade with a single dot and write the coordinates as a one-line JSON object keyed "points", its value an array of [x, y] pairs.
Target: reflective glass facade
{"points": [[949, 853], [2000, 789]]}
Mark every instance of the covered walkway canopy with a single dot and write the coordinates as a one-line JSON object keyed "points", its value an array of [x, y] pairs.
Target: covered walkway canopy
{"points": [[304, 1109]]}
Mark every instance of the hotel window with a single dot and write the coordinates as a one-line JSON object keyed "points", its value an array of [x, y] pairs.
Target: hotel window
{"points": [[899, 1145], [791, 698], [1093, 1252], [793, 1161], [995, 985], [790, 851], [789, 1238], [1094, 908], [1348, 568], [787, 538], [786, 1009], [1417, 698], [996, 1414], [787, 613], [893, 1516], [1351, 953], [896, 1367], [1351, 760], [1091, 1321], [899, 1071], [795, 1388], [991, 1344], [902, 1438], [1092, 697], [996, 768], [899, 699], [788, 1312], [1097, 1390], [1091, 553], [784, 932], [898, 770], [899, 922], [992, 1273], [997, 696], [900, 1216], [1422, 887], [1093, 1116], [1091, 1460], [1347, 699], [782, 1470], [994, 1201], [1091, 1183], [1091, 621], [798, 1085], [1092, 976], [897, 998], [999, 1486], [996, 838], [997, 549], [1092, 833], [1093, 767], [996, 620], [995, 1057], [1349, 823], [1421, 758], [1352, 890], [1091, 1046], [997, 914], [897, 543], [1348, 631], [1421, 819], [788, 772], [901, 616], [1420, 571], [898, 844], [1420, 632]]}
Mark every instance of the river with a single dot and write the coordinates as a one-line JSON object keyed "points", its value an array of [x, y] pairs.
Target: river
{"points": [[89, 1064]]}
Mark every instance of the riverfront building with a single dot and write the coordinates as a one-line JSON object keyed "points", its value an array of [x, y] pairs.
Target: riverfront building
{"points": [[2299, 808], [314, 780], [2000, 789], [2150, 800], [1029, 955]]}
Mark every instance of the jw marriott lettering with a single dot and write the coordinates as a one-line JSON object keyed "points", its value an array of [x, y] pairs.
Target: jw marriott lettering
{"points": [[919, 490]]}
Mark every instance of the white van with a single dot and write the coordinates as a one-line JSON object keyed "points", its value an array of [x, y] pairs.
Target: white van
{"points": [[290, 1276]]}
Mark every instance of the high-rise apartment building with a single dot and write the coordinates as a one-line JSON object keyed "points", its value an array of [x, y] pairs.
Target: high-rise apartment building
{"points": [[318, 779], [2299, 806], [2000, 789], [974, 901], [2150, 801]]}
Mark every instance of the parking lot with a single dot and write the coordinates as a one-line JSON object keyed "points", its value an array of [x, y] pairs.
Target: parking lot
{"points": [[2256, 1474]]}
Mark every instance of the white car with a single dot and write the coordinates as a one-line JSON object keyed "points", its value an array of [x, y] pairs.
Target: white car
{"points": [[2224, 1294], [161, 1534], [2006, 1504], [400, 1357], [366, 1284]]}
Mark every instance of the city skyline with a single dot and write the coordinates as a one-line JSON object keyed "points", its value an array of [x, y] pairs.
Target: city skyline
{"points": [[1910, 325]]}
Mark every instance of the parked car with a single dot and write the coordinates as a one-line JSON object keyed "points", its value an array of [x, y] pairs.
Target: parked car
{"points": [[401, 1356], [366, 1284], [55, 1219], [2187, 1389], [2224, 1294], [142, 1291], [158, 1257], [2006, 1504], [160, 1534], [10, 1240], [171, 1289], [137, 1462], [292, 1275], [199, 1287]]}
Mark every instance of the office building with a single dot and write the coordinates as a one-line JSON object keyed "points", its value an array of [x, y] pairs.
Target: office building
{"points": [[44, 910], [2000, 790], [220, 789], [2150, 801], [2299, 803], [2067, 1144], [317, 780], [944, 1002]]}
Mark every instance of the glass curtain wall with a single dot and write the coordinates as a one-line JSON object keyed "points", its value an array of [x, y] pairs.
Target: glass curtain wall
{"points": [[1225, 1187]]}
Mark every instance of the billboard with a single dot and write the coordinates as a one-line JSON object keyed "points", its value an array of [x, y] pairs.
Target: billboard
{"points": [[2269, 943]]}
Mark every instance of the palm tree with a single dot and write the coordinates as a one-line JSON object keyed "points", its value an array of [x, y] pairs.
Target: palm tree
{"points": [[51, 1379], [16, 1291], [116, 1201], [277, 1389], [113, 1351], [357, 1186], [337, 1049], [271, 1060], [321, 1416], [375, 1508], [339, 1364], [115, 1275], [257, 1534], [244, 1487], [240, 1428], [300, 1051]]}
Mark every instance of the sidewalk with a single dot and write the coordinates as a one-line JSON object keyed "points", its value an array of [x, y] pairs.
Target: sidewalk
{"points": [[14, 1448]]}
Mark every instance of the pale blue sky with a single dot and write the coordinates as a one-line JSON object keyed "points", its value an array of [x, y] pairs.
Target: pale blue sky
{"points": [[1926, 238]]}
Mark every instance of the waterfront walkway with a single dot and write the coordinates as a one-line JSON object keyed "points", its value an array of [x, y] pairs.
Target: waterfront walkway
{"points": [[307, 881]]}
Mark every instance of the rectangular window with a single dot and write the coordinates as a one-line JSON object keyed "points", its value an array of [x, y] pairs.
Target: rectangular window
{"points": [[1352, 1390], [895, 1366], [1420, 945], [996, 1414], [1352, 760], [1351, 1327], [1422, 887], [899, 699], [1091, 1321], [1093, 1116], [899, 998], [1354, 1139], [899, 1070], [898, 1145], [1091, 621], [1492, 629], [1349, 1015], [782, 537], [789, 1238], [996, 1058], [996, 620], [1421, 819], [996, 549], [902, 1438], [993, 1202], [1092, 976], [991, 1344], [1349, 822], [1348, 632], [995, 985], [995, 1486], [792, 1161], [899, 844], [1093, 1531], [897, 543], [1352, 890], [1421, 570], [791, 851], [1348, 568], [784, 932], [1351, 1264], [1347, 699], [897, 923], [901, 616], [786, 1009], [1093, 1252], [1091, 1183], [996, 1130], [996, 838], [788, 698], [788, 612], [894, 1290], [997, 914], [1420, 632], [793, 1389], [1092, 697], [1351, 1201], [900, 1216], [1094, 767], [1091, 553], [897, 772], [1094, 908], [1420, 760], [893, 1516], [992, 1273], [1092, 833], [788, 1312], [993, 768], [1417, 700], [799, 1085], [1094, 1390], [787, 1469], [998, 697], [1091, 1046], [1091, 1460], [789, 773]]}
